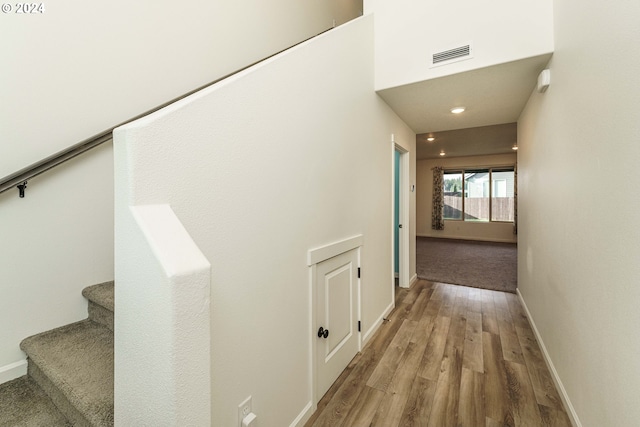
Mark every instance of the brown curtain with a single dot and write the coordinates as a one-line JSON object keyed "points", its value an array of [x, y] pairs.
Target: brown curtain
{"points": [[437, 213], [515, 199]]}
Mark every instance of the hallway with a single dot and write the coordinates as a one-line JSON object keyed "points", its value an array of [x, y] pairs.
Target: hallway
{"points": [[448, 355]]}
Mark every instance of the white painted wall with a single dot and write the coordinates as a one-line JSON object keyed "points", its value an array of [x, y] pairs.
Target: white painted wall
{"points": [[66, 77], [579, 210], [499, 30], [344, 11], [491, 231], [55, 241], [288, 156], [73, 72]]}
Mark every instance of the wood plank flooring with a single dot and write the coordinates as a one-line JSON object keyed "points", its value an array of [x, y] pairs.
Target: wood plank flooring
{"points": [[447, 356]]}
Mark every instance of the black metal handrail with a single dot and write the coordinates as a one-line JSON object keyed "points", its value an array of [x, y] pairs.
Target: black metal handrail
{"points": [[20, 178]]}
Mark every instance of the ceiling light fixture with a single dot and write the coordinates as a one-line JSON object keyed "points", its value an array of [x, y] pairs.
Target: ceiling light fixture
{"points": [[457, 110], [515, 147], [442, 153], [431, 139]]}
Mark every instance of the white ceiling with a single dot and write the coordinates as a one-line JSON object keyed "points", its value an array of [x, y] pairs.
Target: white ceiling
{"points": [[484, 140], [492, 96]]}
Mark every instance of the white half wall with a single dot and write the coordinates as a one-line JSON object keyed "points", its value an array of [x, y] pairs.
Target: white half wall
{"points": [[408, 32], [162, 329], [72, 72], [287, 156], [489, 231], [579, 211]]}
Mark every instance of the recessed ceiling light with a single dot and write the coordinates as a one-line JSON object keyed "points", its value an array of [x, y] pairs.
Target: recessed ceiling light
{"points": [[431, 139], [442, 153], [457, 110], [515, 147]]}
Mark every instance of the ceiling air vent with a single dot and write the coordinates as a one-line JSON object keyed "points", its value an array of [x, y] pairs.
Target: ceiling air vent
{"points": [[451, 55]]}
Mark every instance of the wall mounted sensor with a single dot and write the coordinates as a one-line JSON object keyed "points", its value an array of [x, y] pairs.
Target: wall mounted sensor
{"points": [[544, 79]]}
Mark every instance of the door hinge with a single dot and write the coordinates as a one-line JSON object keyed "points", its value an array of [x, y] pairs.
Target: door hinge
{"points": [[359, 326], [358, 272]]}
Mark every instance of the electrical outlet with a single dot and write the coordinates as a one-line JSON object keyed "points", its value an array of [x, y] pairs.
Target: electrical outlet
{"points": [[244, 409]]}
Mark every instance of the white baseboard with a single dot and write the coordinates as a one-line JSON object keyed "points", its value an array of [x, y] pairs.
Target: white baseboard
{"points": [[13, 371], [372, 330], [304, 416], [571, 412], [413, 280]]}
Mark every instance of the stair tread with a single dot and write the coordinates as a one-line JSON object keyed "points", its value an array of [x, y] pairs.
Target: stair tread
{"points": [[23, 403], [78, 360], [101, 294]]}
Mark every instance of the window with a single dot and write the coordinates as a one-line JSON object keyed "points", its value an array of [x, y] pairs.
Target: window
{"points": [[502, 198], [476, 195], [453, 195], [479, 195]]}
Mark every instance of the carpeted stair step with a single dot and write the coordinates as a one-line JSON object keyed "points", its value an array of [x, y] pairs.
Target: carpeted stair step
{"points": [[23, 403], [74, 366], [100, 303]]}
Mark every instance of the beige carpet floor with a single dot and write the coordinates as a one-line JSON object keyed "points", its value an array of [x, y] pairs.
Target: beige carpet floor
{"points": [[486, 265]]}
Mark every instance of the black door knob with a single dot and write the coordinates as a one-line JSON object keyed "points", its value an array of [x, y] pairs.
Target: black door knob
{"points": [[323, 333]]}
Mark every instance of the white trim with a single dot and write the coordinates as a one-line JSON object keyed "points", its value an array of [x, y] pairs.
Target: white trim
{"points": [[303, 416], [413, 280], [313, 372], [317, 255], [571, 412], [372, 330], [404, 197], [13, 370], [392, 225], [359, 288]]}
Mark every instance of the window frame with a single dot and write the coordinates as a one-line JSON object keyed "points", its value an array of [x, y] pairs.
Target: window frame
{"points": [[490, 170]]}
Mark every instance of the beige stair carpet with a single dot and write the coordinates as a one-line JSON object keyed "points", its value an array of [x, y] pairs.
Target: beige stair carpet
{"points": [[24, 404], [74, 365], [101, 303]]}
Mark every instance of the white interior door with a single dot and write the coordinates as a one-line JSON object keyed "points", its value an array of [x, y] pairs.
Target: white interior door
{"points": [[336, 327]]}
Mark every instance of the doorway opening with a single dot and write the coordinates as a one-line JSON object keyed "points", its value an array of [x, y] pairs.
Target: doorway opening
{"points": [[400, 216]]}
